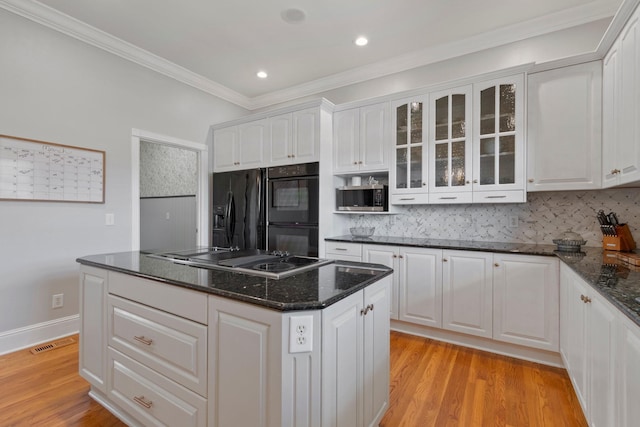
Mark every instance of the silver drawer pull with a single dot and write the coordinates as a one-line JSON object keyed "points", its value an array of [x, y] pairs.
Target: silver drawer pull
{"points": [[340, 249], [495, 197], [447, 198], [143, 340], [408, 198], [142, 402]]}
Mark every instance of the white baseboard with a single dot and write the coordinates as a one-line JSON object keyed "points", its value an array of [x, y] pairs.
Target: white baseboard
{"points": [[28, 336]]}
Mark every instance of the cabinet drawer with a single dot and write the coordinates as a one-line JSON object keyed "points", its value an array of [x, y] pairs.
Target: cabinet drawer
{"points": [[173, 299], [444, 198], [514, 196], [169, 344], [409, 199], [343, 249], [150, 397]]}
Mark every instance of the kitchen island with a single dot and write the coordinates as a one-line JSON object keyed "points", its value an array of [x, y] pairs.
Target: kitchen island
{"points": [[180, 345]]}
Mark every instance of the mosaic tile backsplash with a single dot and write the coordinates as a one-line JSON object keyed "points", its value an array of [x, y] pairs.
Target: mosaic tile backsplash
{"points": [[543, 218]]}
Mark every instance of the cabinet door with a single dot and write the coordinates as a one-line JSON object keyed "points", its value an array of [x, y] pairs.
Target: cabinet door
{"points": [[409, 170], [306, 136], [386, 255], [376, 351], [252, 144], [573, 345], [373, 137], [564, 125], [525, 300], [342, 363], [450, 142], [280, 139], [498, 163], [610, 100], [225, 146], [346, 137], [93, 326], [601, 356], [628, 141], [420, 286], [467, 281], [628, 376]]}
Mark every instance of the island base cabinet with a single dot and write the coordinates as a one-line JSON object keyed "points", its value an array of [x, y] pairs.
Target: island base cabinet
{"points": [[93, 325], [355, 358]]}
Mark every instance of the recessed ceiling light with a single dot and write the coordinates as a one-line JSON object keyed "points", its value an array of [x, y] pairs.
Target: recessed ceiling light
{"points": [[261, 74], [293, 16], [361, 41]]}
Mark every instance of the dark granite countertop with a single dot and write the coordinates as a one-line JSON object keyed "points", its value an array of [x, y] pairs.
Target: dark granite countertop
{"points": [[309, 290], [619, 283]]}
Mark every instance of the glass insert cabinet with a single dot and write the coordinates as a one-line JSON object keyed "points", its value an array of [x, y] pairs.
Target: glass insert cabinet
{"points": [[460, 145]]}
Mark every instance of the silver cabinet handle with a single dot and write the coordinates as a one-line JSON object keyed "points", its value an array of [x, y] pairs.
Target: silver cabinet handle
{"points": [[143, 402], [341, 249], [495, 197], [143, 340], [531, 180], [367, 309], [475, 181], [445, 260], [408, 198], [447, 198]]}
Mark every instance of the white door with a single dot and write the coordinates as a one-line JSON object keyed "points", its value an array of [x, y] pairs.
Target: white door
{"points": [[467, 292], [306, 136], [346, 140], [253, 140], [280, 139], [628, 378], [225, 149], [420, 289], [373, 137], [386, 255]]}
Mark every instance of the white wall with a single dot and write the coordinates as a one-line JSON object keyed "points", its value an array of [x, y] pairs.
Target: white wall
{"points": [[57, 89]]}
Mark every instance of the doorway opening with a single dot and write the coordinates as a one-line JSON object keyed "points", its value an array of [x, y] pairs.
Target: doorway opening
{"points": [[169, 192]]}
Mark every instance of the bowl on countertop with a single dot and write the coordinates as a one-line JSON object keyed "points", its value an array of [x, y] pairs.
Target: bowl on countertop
{"points": [[362, 231], [569, 241]]}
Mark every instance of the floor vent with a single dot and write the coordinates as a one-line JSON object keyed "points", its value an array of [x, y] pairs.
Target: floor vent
{"points": [[52, 345]]}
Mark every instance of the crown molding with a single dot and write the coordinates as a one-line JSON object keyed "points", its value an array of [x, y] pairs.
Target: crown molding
{"points": [[72, 27]]}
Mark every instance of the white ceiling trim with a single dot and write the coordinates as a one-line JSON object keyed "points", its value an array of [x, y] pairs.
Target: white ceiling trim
{"points": [[72, 27]]}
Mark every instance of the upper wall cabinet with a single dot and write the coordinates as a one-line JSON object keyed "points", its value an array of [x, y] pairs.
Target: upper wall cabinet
{"points": [[498, 146], [621, 107], [360, 138], [294, 137], [450, 150], [240, 147], [564, 128], [408, 176]]}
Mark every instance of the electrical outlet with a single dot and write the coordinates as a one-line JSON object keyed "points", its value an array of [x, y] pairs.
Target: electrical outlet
{"points": [[109, 219], [300, 334], [57, 301], [513, 222]]}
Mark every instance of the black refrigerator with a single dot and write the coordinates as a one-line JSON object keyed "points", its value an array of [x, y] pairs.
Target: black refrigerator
{"points": [[239, 216]]}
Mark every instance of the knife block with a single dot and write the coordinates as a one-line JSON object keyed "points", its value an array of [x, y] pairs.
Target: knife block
{"points": [[622, 242]]}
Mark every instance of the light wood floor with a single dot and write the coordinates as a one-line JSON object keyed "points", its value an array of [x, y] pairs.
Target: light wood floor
{"points": [[432, 384]]}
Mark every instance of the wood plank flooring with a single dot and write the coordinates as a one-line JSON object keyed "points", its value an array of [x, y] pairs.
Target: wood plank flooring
{"points": [[432, 384]]}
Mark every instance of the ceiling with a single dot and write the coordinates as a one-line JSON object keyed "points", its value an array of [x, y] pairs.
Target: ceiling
{"points": [[219, 46]]}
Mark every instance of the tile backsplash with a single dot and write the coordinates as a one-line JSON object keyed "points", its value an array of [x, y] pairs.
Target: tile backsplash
{"points": [[543, 218]]}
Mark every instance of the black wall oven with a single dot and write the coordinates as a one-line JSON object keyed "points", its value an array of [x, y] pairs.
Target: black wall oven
{"points": [[292, 213]]}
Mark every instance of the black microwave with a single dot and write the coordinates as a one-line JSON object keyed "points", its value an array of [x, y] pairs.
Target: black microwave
{"points": [[364, 198]]}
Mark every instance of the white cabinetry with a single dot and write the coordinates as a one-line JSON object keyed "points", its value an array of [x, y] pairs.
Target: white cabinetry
{"points": [[355, 358], [564, 128], [294, 137], [467, 282], [628, 378], [526, 300], [408, 175], [450, 150], [588, 347], [93, 326], [389, 256], [420, 289], [621, 107], [240, 147], [498, 146], [343, 251], [360, 139]]}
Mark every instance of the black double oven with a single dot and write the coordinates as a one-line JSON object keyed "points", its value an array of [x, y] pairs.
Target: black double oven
{"points": [[292, 212]]}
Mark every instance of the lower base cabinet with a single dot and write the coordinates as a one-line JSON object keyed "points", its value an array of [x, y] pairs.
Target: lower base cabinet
{"points": [[589, 329], [628, 378], [355, 362]]}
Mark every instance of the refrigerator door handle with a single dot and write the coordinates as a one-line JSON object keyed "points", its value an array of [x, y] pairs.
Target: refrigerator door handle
{"points": [[230, 220]]}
